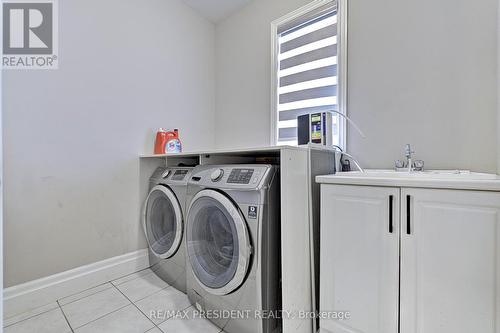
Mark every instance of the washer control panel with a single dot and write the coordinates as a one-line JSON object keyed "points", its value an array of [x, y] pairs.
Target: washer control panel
{"points": [[240, 176], [230, 176]]}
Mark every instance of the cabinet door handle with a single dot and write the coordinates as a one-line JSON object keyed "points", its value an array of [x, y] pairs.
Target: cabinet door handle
{"points": [[408, 215], [391, 217]]}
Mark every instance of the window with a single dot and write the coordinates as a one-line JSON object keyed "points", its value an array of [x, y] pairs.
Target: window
{"points": [[308, 69]]}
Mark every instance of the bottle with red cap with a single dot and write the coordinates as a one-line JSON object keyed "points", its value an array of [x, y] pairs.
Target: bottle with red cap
{"points": [[167, 142]]}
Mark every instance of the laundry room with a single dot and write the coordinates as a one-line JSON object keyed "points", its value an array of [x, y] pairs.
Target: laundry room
{"points": [[250, 166]]}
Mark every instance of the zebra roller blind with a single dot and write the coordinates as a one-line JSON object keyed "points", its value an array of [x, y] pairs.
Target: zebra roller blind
{"points": [[307, 71]]}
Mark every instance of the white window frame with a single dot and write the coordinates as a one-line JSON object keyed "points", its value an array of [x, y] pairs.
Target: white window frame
{"points": [[341, 63]]}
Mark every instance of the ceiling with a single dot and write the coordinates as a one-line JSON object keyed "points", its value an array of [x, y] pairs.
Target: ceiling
{"points": [[216, 10]]}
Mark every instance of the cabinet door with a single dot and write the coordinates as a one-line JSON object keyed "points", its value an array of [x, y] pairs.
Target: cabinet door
{"points": [[359, 258], [450, 261]]}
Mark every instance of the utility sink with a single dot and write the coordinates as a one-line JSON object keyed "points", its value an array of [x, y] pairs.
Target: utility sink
{"points": [[428, 174]]}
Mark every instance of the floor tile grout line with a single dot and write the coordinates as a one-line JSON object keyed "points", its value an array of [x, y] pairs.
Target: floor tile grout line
{"points": [[138, 307], [141, 270], [96, 319], [101, 284], [156, 325], [156, 292], [133, 303], [111, 285], [100, 317], [58, 305], [140, 299], [65, 318], [30, 317], [140, 276], [79, 299], [21, 313], [84, 290]]}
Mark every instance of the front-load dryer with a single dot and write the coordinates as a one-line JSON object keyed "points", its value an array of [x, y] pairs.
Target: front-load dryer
{"points": [[233, 246], [163, 222]]}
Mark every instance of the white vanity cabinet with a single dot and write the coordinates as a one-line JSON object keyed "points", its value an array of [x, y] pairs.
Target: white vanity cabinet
{"points": [[410, 260], [359, 259], [450, 261]]}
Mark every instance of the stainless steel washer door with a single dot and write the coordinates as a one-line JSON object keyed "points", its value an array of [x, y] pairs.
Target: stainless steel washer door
{"points": [[162, 219], [218, 243]]}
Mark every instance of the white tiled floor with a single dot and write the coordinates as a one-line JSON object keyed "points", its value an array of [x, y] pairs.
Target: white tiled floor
{"points": [[125, 305]]}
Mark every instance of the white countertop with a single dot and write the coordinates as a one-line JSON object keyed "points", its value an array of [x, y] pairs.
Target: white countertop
{"points": [[444, 179]]}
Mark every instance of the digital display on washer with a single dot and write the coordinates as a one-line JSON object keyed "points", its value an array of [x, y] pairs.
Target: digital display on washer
{"points": [[179, 174], [240, 176]]}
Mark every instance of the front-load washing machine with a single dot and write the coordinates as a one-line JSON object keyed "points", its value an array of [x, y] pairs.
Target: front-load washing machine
{"points": [[163, 221], [233, 245]]}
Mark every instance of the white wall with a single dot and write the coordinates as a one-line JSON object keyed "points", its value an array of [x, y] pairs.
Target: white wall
{"points": [[498, 88], [420, 72], [424, 73], [1, 187], [243, 73], [72, 136]]}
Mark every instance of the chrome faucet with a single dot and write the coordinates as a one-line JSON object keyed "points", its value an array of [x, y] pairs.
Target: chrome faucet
{"points": [[409, 165], [408, 154]]}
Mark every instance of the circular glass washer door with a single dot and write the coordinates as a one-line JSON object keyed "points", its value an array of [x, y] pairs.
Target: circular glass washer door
{"points": [[218, 243], [162, 219]]}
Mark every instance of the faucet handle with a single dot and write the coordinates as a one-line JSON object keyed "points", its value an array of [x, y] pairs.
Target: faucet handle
{"points": [[418, 165], [398, 164]]}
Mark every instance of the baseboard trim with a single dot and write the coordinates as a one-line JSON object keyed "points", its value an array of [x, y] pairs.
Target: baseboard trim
{"points": [[31, 295]]}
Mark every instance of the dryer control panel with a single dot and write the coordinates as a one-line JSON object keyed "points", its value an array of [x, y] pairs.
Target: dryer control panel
{"points": [[179, 174], [230, 176], [171, 175]]}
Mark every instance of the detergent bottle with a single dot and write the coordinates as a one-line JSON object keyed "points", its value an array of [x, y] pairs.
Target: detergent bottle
{"points": [[167, 141], [161, 141], [173, 144]]}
